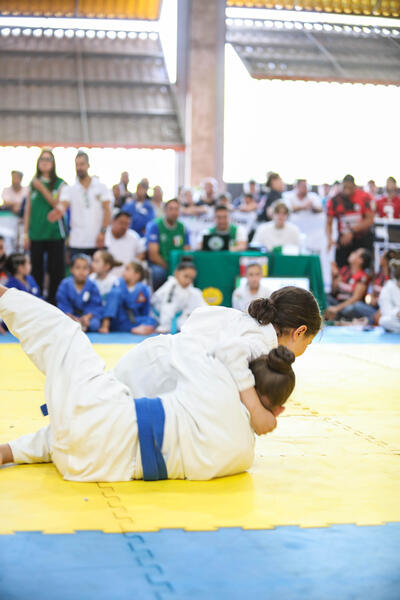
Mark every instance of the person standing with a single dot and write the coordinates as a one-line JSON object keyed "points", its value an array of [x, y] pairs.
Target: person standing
{"points": [[44, 230], [14, 195], [140, 209], [89, 202], [352, 209]]}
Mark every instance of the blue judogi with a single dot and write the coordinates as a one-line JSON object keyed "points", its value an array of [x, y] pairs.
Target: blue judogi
{"points": [[126, 309], [141, 213], [88, 300], [31, 286], [150, 419]]}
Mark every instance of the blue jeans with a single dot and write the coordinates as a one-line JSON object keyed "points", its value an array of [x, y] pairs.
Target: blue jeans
{"points": [[357, 310], [158, 275]]}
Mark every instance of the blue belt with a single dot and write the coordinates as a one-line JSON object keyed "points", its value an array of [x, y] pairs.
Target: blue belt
{"points": [[150, 419]]}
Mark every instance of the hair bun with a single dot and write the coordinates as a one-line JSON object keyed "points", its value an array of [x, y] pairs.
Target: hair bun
{"points": [[280, 359], [263, 310]]}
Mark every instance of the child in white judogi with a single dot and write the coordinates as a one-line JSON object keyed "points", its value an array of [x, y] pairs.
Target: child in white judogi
{"points": [[254, 288], [176, 299], [95, 431], [290, 317], [389, 299]]}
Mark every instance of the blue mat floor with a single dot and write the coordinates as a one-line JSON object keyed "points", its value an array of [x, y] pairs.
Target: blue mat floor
{"points": [[329, 335], [342, 562]]}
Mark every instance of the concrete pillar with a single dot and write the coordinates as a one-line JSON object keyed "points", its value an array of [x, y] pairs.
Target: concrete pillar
{"points": [[200, 84]]}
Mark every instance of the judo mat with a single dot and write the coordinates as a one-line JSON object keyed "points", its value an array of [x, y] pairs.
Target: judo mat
{"points": [[316, 517]]}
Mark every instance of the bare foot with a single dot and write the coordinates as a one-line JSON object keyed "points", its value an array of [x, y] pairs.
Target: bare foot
{"points": [[143, 329]]}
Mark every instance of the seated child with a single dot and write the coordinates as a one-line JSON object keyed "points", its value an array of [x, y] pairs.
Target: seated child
{"points": [[79, 297], [3, 258], [127, 306], [254, 288], [389, 300], [102, 264], [349, 288], [176, 299], [18, 267]]}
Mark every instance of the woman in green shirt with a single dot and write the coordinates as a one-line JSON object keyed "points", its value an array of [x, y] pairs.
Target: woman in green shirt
{"points": [[44, 232]]}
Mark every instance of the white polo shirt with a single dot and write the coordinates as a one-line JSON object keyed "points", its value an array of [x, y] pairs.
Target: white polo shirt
{"points": [[124, 249], [270, 237], [86, 207]]}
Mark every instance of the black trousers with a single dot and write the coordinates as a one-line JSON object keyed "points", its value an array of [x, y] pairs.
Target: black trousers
{"points": [[343, 252], [55, 266]]}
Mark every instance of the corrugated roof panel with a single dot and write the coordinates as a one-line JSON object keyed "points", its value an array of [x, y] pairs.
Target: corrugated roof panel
{"points": [[50, 92], [385, 8], [117, 9], [338, 53]]}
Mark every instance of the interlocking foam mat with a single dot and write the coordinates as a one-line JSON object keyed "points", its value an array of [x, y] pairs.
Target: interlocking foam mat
{"points": [[317, 516]]}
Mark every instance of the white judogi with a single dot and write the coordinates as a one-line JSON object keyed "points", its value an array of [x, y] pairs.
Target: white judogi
{"points": [[171, 298], [389, 304], [242, 296], [104, 284], [93, 429], [231, 335]]}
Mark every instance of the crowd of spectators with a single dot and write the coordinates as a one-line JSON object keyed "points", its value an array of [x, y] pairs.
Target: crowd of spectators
{"points": [[118, 242]]}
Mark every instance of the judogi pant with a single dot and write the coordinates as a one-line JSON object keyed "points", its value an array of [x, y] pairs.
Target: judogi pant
{"points": [[93, 430]]}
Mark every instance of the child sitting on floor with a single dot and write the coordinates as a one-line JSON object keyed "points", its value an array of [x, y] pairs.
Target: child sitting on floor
{"points": [[389, 300], [252, 289], [127, 308], [102, 264], [18, 266], [79, 297], [176, 299]]}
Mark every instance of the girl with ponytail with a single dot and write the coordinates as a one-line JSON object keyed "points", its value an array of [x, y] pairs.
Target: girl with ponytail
{"points": [[290, 318]]}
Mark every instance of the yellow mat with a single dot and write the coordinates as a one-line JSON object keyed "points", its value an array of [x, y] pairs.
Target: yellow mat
{"points": [[334, 458]]}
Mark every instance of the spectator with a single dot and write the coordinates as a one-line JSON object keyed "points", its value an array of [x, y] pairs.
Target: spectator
{"points": [[188, 206], [128, 304], [382, 276], [164, 235], [18, 266], [349, 287], [176, 299], [237, 234], [117, 196], [145, 183], [275, 189], [247, 203], [306, 212], [253, 188], [252, 289], [324, 192], [45, 230], [389, 301], [89, 202], [372, 190], [352, 209], [3, 258], [388, 206], [79, 297], [140, 210], [14, 196], [279, 232], [157, 201], [226, 199], [123, 188], [208, 194], [102, 265], [123, 243]]}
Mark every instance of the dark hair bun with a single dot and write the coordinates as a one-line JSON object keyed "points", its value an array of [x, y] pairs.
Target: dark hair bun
{"points": [[280, 359], [263, 311]]}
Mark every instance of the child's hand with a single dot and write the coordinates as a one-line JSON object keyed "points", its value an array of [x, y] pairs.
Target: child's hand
{"points": [[262, 421]]}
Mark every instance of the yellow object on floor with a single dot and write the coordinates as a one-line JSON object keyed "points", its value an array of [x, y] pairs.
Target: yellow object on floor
{"points": [[334, 458]]}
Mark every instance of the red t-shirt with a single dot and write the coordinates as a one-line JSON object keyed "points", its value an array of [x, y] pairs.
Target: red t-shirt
{"points": [[348, 282], [350, 211], [388, 208]]}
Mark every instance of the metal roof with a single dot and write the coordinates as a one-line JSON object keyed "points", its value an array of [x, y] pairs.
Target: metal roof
{"points": [[317, 51], [85, 88], [377, 8], [117, 9]]}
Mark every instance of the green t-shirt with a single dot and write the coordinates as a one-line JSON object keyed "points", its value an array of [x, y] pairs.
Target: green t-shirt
{"points": [[40, 228], [170, 239]]}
